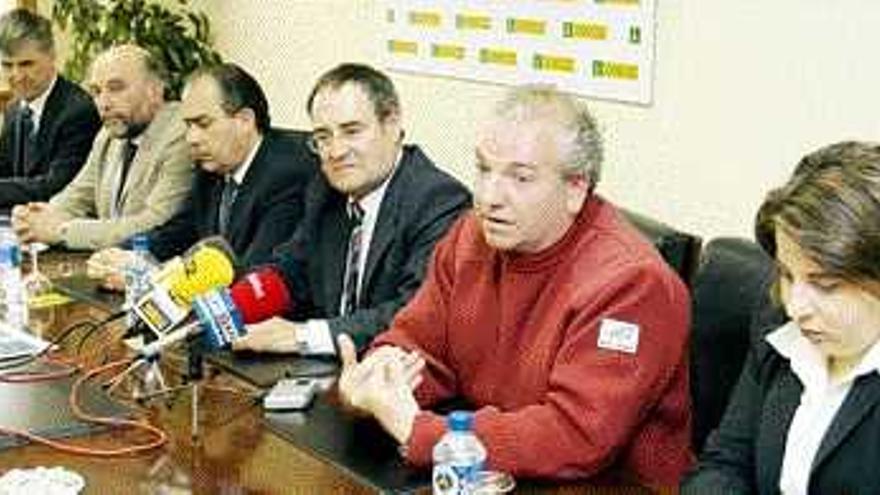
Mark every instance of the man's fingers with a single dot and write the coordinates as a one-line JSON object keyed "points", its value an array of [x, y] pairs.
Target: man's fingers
{"points": [[347, 351]]}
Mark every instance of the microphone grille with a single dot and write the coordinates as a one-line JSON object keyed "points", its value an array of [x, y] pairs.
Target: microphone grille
{"points": [[260, 295], [205, 269]]}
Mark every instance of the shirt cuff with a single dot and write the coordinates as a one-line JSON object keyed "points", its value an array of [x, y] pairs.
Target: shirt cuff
{"points": [[317, 339]]}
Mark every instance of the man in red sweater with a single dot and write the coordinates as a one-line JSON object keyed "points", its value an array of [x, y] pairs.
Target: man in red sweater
{"points": [[545, 311]]}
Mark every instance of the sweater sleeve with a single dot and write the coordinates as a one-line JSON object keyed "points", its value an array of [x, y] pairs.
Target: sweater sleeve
{"points": [[597, 398], [421, 324]]}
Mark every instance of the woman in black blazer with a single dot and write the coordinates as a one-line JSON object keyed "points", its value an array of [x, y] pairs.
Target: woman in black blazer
{"points": [[805, 415]]}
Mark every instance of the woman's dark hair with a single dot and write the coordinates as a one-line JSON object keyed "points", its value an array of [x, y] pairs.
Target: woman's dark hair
{"points": [[831, 208]]}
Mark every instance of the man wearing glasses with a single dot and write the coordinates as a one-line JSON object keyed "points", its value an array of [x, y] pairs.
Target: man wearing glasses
{"points": [[371, 221]]}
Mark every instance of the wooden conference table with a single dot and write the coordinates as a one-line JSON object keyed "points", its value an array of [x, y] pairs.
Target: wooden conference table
{"points": [[240, 448]]}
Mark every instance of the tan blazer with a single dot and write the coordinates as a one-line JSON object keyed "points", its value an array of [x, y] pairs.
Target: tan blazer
{"points": [[158, 182]]}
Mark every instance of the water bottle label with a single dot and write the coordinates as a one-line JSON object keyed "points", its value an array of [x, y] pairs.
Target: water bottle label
{"points": [[454, 479], [10, 254]]}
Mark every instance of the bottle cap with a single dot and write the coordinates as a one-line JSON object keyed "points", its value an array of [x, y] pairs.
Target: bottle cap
{"points": [[140, 242], [460, 421]]}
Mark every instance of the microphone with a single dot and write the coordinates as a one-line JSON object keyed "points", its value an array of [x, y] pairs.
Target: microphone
{"points": [[221, 314], [260, 295], [256, 297], [176, 283]]}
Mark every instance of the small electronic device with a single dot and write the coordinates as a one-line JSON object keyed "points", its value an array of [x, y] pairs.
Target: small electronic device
{"points": [[291, 394]]}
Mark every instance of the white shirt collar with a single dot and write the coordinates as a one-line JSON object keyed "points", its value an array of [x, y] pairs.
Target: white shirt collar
{"points": [[241, 171], [371, 202], [39, 103], [809, 364]]}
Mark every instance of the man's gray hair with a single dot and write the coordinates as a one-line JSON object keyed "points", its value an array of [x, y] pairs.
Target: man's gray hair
{"points": [[578, 134], [19, 26]]}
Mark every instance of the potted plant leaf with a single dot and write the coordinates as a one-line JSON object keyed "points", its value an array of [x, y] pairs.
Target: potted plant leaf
{"points": [[179, 36]]}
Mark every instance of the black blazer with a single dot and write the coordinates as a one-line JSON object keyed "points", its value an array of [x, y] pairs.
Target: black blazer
{"points": [[267, 208], [420, 204], [744, 455], [64, 138]]}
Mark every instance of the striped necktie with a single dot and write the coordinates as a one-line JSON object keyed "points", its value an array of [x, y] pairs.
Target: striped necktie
{"points": [[352, 258], [227, 200]]}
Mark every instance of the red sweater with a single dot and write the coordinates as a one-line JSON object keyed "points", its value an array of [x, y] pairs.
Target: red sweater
{"points": [[517, 336]]}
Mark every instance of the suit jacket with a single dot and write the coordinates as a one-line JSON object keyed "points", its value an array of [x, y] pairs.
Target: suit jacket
{"points": [[66, 130], [744, 455], [419, 205], [157, 185], [267, 208]]}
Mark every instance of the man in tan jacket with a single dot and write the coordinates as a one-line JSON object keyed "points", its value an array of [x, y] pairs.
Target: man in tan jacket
{"points": [[138, 172]]}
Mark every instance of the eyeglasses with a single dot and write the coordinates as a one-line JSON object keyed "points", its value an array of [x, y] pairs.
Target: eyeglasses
{"points": [[321, 141]]}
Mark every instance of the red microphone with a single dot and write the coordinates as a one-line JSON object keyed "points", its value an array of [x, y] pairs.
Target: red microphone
{"points": [[260, 295], [221, 314]]}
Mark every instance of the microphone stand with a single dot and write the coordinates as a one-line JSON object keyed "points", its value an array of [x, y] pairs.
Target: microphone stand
{"points": [[195, 374], [192, 379], [152, 371]]}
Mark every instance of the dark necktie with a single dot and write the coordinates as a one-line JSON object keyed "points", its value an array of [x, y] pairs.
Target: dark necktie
{"points": [[353, 255], [129, 150], [25, 144], [227, 200]]}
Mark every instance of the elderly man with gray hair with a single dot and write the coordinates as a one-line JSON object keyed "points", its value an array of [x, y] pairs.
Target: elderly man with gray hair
{"points": [[138, 172], [49, 126], [546, 313]]}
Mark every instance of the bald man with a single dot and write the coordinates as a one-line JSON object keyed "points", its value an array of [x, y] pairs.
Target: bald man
{"points": [[138, 172]]}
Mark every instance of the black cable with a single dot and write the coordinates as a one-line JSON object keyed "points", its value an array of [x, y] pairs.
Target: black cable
{"points": [[97, 326], [16, 363], [67, 332]]}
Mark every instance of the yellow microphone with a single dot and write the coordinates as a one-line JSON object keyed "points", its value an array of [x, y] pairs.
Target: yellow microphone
{"points": [[205, 267]]}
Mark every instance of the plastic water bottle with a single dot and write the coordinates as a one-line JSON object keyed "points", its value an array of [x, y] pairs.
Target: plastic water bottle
{"points": [[13, 302], [458, 456], [137, 275]]}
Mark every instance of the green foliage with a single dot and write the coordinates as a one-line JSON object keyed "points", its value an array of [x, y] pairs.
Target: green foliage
{"points": [[179, 37]]}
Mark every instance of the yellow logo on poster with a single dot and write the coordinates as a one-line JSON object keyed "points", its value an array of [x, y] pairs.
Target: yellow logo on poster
{"points": [[584, 30], [615, 70], [425, 18], [474, 22], [526, 26], [403, 47], [453, 52], [498, 56], [554, 63]]}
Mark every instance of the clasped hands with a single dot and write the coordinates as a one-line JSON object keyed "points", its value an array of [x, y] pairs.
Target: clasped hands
{"points": [[38, 222], [382, 385]]}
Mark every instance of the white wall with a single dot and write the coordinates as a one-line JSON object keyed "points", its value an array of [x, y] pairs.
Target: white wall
{"points": [[743, 89]]}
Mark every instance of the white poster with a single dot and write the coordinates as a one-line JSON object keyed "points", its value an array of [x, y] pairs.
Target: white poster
{"points": [[596, 48]]}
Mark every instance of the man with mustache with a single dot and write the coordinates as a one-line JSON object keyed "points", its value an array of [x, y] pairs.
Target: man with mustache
{"points": [[250, 179], [138, 172]]}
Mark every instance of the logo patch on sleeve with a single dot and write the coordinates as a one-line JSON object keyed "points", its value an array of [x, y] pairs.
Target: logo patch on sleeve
{"points": [[618, 335]]}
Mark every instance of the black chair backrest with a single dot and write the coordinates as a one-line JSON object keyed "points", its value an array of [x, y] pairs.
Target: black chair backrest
{"points": [[729, 293], [680, 250]]}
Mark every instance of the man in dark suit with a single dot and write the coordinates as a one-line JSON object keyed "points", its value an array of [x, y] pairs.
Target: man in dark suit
{"points": [[251, 178], [249, 184], [372, 219], [49, 126]]}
